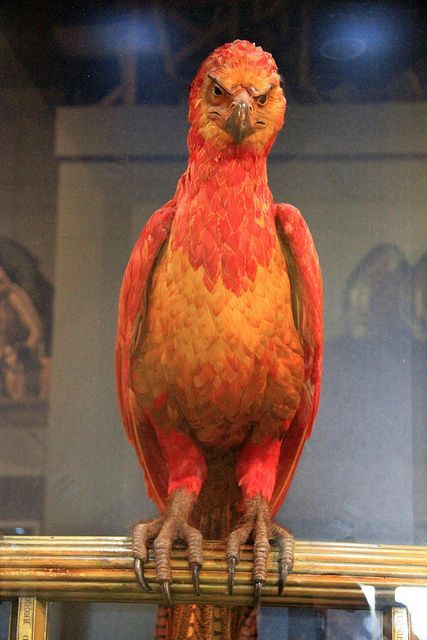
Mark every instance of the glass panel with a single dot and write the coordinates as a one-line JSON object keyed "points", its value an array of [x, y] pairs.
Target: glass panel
{"points": [[93, 126]]}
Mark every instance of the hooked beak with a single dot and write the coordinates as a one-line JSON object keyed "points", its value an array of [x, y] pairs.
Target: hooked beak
{"points": [[238, 125]]}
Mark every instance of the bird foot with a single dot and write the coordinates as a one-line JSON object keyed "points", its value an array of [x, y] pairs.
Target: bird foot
{"points": [[256, 523], [171, 526]]}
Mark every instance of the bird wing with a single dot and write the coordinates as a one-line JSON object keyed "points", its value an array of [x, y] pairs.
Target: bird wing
{"points": [[306, 286], [131, 319]]}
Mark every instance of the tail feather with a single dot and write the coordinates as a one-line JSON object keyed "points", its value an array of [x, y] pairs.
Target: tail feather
{"points": [[247, 629], [206, 622], [214, 514], [163, 624]]}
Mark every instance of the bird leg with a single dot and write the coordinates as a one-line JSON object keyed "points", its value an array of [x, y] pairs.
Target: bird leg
{"points": [[256, 523], [170, 526]]}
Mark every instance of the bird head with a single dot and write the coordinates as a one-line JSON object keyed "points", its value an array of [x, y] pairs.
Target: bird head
{"points": [[236, 99]]}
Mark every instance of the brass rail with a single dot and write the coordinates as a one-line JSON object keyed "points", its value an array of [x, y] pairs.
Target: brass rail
{"points": [[100, 569]]}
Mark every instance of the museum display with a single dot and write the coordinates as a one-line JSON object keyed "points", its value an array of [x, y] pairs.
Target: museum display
{"points": [[94, 130], [219, 345]]}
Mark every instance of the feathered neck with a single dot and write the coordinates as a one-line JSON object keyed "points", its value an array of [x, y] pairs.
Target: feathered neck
{"points": [[225, 218]]}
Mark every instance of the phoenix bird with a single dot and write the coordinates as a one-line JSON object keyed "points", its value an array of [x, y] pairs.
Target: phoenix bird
{"points": [[219, 345]]}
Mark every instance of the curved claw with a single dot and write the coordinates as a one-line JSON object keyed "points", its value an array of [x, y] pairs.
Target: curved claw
{"points": [[257, 592], [283, 575], [231, 574], [139, 572], [166, 592], [195, 573]]}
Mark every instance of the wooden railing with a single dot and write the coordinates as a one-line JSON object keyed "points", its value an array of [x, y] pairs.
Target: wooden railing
{"points": [[37, 570]]}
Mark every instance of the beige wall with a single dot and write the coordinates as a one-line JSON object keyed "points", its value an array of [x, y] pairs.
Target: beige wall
{"points": [[27, 163], [355, 172]]}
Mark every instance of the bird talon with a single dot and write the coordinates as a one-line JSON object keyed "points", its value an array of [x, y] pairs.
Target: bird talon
{"points": [[283, 575], [231, 574], [257, 592], [139, 572], [166, 592], [195, 575]]}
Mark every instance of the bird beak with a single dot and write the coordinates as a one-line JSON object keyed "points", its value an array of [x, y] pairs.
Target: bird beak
{"points": [[238, 125]]}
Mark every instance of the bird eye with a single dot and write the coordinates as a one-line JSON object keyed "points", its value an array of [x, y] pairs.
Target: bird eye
{"points": [[262, 99], [217, 91]]}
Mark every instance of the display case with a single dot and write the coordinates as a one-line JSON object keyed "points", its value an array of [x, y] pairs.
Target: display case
{"points": [[93, 124]]}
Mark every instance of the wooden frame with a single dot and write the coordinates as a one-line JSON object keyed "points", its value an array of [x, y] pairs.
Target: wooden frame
{"points": [[28, 619]]}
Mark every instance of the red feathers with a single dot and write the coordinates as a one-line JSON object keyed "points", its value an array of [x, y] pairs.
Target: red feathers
{"points": [[309, 290], [222, 329], [220, 221]]}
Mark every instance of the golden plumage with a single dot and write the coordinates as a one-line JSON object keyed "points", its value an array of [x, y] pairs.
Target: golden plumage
{"points": [[221, 362]]}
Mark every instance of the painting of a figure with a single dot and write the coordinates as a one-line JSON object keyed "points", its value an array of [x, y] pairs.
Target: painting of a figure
{"points": [[25, 305]]}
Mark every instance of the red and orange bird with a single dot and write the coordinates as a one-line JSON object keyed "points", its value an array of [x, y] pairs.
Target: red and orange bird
{"points": [[219, 343]]}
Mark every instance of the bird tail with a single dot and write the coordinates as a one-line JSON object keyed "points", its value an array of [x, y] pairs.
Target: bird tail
{"points": [[206, 622], [215, 514]]}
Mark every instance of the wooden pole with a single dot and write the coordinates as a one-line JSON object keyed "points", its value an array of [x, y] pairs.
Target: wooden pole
{"points": [[326, 574]]}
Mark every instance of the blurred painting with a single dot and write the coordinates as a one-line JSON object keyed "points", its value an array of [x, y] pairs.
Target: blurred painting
{"points": [[25, 327]]}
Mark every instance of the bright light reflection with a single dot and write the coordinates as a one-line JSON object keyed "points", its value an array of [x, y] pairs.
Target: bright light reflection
{"points": [[369, 593], [343, 48], [371, 30], [415, 598], [124, 34]]}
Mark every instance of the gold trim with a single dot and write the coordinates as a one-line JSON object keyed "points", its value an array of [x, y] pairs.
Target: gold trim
{"points": [[28, 619], [396, 624]]}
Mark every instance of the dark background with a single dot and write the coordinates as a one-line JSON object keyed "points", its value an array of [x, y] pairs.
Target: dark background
{"points": [[327, 51]]}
